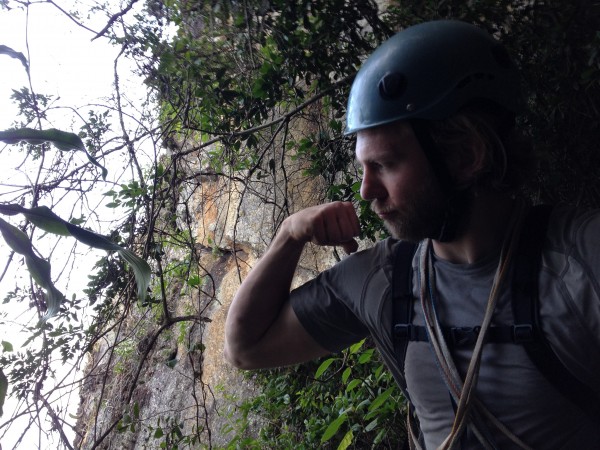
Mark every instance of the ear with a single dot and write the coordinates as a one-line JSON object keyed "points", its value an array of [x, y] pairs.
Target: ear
{"points": [[469, 161]]}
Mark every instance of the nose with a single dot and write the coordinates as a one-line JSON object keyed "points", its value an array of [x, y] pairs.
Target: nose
{"points": [[371, 187]]}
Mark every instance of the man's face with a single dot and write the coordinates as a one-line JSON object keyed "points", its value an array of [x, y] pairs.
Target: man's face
{"points": [[399, 183]]}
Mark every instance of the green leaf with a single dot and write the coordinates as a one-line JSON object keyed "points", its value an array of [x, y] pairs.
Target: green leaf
{"points": [[382, 433], [38, 267], [7, 346], [51, 221], [41, 216], [346, 440], [371, 425], [323, 367], [333, 428], [346, 374], [62, 140], [352, 385], [194, 281], [141, 271], [15, 238], [381, 398], [366, 356], [44, 218], [40, 271], [171, 363], [3, 390], [4, 50], [356, 347], [90, 238]]}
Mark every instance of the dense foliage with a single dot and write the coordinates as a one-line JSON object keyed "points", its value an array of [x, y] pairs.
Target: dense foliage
{"points": [[254, 93], [345, 401]]}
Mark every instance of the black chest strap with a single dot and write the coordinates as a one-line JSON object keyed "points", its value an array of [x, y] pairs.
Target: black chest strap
{"points": [[402, 300]]}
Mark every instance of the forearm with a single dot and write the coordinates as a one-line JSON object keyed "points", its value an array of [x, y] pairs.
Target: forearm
{"points": [[261, 296]]}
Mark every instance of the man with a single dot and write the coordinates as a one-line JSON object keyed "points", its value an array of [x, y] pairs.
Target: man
{"points": [[433, 109]]}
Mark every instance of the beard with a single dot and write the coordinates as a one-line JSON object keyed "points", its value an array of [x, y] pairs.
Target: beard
{"points": [[423, 215]]}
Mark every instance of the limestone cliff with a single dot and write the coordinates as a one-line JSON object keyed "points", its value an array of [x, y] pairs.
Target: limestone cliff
{"points": [[149, 383]]}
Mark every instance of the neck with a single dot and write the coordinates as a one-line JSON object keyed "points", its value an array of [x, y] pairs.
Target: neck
{"points": [[482, 231]]}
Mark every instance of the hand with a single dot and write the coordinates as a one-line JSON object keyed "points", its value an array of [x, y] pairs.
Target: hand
{"points": [[329, 224]]}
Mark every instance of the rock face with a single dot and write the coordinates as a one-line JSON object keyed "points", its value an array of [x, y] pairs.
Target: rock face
{"points": [[162, 382], [153, 383]]}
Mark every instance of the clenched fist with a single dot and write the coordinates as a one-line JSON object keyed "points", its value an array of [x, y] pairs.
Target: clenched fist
{"points": [[329, 224]]}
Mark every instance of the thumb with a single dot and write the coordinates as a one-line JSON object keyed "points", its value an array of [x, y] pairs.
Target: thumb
{"points": [[350, 246]]}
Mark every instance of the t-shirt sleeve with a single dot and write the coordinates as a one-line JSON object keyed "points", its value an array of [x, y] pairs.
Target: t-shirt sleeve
{"points": [[322, 310], [342, 305]]}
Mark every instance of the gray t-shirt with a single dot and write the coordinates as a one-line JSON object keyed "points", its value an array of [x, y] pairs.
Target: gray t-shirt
{"points": [[352, 300]]}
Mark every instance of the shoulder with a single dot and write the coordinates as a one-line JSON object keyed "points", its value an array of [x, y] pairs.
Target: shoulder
{"points": [[361, 277], [380, 258], [570, 289], [573, 240], [572, 249], [355, 269], [359, 264], [380, 252], [573, 227]]}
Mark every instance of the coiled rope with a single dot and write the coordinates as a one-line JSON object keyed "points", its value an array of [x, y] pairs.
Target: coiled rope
{"points": [[470, 410]]}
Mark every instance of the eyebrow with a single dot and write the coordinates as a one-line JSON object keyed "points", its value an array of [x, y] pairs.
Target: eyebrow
{"points": [[383, 154]]}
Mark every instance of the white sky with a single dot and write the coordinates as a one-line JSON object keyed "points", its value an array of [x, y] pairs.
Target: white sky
{"points": [[65, 63]]}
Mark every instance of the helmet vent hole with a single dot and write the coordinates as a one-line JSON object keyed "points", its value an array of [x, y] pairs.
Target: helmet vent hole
{"points": [[392, 85]]}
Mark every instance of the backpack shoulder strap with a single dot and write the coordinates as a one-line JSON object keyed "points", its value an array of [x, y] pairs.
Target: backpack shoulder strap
{"points": [[402, 304], [525, 305], [402, 300]]}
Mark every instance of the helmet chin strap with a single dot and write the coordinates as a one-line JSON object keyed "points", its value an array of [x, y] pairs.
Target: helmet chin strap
{"points": [[458, 200], [457, 207]]}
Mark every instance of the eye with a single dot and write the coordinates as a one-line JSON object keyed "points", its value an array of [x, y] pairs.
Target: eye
{"points": [[374, 166], [387, 164]]}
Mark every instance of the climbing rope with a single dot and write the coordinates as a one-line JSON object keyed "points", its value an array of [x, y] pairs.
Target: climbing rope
{"points": [[469, 407]]}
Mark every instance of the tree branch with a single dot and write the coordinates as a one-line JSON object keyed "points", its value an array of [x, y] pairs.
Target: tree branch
{"points": [[114, 18]]}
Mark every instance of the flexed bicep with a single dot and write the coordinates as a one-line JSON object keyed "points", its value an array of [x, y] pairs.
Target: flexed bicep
{"points": [[261, 328]]}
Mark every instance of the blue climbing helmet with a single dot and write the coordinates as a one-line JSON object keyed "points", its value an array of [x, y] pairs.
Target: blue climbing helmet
{"points": [[429, 71]]}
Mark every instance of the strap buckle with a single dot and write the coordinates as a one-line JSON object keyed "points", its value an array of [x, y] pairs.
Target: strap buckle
{"points": [[403, 331], [464, 335], [522, 333]]}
